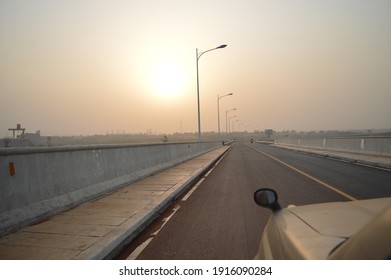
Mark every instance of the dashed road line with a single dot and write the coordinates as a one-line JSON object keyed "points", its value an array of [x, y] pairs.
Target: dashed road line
{"points": [[308, 176]]}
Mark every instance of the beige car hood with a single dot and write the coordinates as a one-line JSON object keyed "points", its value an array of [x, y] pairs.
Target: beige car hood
{"points": [[316, 231], [340, 219]]}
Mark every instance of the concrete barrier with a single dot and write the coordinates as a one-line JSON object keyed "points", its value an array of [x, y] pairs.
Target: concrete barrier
{"points": [[380, 146], [36, 183]]}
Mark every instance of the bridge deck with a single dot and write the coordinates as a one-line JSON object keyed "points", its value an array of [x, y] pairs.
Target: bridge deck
{"points": [[96, 229]]}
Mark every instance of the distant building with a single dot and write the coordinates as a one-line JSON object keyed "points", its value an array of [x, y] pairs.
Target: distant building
{"points": [[33, 138], [22, 139]]}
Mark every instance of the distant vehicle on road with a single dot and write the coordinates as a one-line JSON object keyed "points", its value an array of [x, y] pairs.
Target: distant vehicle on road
{"points": [[252, 140], [337, 230]]}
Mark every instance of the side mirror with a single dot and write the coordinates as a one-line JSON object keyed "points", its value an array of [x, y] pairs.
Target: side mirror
{"points": [[267, 198]]}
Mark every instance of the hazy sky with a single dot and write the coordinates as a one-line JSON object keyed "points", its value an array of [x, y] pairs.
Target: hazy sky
{"points": [[87, 66]]}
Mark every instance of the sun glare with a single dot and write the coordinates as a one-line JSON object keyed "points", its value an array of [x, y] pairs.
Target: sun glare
{"points": [[167, 80]]}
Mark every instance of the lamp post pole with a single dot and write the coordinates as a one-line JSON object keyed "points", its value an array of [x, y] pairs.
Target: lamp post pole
{"points": [[218, 111], [233, 127], [198, 56], [229, 122], [226, 119]]}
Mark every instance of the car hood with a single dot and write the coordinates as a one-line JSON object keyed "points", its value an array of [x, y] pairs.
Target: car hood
{"points": [[316, 231], [340, 219]]}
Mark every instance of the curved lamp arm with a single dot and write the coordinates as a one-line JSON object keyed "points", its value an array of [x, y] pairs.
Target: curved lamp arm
{"points": [[219, 47]]}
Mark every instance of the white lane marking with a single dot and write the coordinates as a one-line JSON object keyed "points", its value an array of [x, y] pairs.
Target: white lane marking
{"points": [[139, 249], [143, 245], [186, 197], [308, 176]]}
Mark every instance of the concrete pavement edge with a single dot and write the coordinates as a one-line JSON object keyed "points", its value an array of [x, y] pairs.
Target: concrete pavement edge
{"points": [[109, 248]]}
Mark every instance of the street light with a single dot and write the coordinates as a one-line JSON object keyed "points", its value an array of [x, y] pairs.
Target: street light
{"points": [[218, 110], [198, 56], [239, 126], [229, 122], [233, 127], [226, 119]]}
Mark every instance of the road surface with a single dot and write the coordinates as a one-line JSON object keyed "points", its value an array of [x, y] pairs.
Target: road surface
{"points": [[218, 219]]}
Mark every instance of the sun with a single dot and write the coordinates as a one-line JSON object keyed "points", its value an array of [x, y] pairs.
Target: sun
{"points": [[167, 80]]}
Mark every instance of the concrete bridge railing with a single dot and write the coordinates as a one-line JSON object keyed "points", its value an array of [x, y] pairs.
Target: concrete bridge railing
{"points": [[36, 183], [380, 146]]}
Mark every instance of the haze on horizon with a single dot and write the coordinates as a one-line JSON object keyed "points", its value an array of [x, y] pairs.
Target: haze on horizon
{"points": [[87, 66]]}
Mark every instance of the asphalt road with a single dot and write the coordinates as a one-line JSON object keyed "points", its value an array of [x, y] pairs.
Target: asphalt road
{"points": [[220, 220]]}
